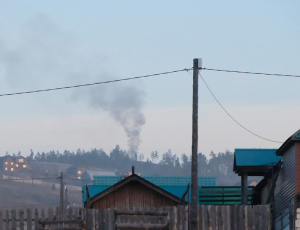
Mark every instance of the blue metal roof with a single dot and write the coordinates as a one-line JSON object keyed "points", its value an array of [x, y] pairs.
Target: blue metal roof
{"points": [[256, 157], [173, 185], [159, 180]]}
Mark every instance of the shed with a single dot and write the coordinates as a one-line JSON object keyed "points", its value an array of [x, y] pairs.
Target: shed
{"points": [[174, 185], [133, 191], [253, 162]]}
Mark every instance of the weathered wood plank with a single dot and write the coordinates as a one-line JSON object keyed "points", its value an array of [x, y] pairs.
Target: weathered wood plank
{"points": [[6, 219], [212, 217], [50, 216], [14, 219], [57, 217], [141, 226], [226, 217], [265, 211], [36, 219], [29, 219], [43, 218], [241, 217], [199, 217], [1, 220], [205, 217], [140, 212], [21, 216]]}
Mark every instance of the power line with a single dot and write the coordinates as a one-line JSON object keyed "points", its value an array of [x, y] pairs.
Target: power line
{"points": [[46, 178], [232, 117], [24, 206], [247, 72], [91, 84]]}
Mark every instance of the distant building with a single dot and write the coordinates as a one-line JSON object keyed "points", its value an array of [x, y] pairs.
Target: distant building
{"points": [[14, 164], [77, 171], [88, 175]]}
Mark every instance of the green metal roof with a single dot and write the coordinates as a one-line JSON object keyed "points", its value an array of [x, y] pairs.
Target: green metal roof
{"points": [[255, 157], [223, 195]]}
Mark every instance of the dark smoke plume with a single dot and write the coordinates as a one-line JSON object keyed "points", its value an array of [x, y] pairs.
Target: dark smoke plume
{"points": [[43, 55]]}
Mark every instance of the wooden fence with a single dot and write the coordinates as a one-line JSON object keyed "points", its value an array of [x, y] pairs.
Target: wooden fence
{"points": [[210, 217], [42, 219]]}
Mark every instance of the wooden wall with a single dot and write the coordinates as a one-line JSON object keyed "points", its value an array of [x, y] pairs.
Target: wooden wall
{"points": [[132, 195]]}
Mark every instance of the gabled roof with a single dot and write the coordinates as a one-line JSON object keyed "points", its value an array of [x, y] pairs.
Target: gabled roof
{"points": [[138, 179], [254, 161], [294, 138]]}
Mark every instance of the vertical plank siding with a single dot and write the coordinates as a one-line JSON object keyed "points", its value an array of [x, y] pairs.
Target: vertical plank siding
{"points": [[210, 217]]}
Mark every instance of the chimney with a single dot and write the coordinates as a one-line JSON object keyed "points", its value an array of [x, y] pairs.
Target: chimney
{"points": [[133, 170]]}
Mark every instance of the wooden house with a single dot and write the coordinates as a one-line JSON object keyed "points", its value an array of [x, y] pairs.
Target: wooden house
{"points": [[133, 191], [22, 163], [281, 184]]}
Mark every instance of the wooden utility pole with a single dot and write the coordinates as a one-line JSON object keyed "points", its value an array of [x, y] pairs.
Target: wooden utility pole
{"points": [[194, 186], [61, 195]]}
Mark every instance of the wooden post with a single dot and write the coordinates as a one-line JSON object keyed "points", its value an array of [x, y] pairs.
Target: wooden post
{"points": [[61, 196], [244, 180], [194, 186]]}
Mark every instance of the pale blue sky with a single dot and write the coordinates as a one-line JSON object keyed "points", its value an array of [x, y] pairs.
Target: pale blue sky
{"points": [[56, 43]]}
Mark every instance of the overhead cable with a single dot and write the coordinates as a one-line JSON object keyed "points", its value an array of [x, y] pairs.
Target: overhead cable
{"points": [[234, 118], [247, 72], [91, 84]]}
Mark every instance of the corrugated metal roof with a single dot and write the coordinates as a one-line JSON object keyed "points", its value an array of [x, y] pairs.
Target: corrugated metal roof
{"points": [[256, 157], [159, 181], [106, 180]]}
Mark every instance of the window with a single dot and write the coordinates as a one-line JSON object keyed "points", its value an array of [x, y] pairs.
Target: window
{"points": [[12, 163], [21, 160], [12, 169], [79, 178], [79, 172], [17, 165], [6, 163], [6, 169], [24, 166]]}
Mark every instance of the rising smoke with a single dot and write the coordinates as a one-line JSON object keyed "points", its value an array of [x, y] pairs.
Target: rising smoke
{"points": [[43, 55], [125, 105]]}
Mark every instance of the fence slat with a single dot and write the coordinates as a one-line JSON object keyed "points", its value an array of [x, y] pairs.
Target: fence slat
{"points": [[226, 215], [50, 216], [21, 215], [36, 219], [1, 220], [6, 219], [14, 219], [29, 219], [43, 218], [58, 217], [241, 217]]}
